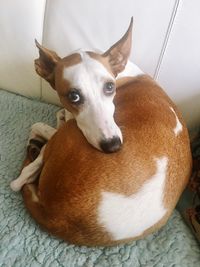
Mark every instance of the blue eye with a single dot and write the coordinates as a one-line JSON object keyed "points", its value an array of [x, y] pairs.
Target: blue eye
{"points": [[74, 96], [109, 88]]}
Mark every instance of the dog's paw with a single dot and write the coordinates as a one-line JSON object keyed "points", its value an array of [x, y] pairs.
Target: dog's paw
{"points": [[60, 116], [16, 185], [63, 116], [68, 115]]}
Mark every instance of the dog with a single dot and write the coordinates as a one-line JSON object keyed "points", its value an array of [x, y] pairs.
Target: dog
{"points": [[96, 120], [87, 197]]}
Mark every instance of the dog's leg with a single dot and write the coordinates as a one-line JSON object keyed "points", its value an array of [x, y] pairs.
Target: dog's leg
{"points": [[39, 133], [42, 130], [35, 151], [45, 131], [29, 173]]}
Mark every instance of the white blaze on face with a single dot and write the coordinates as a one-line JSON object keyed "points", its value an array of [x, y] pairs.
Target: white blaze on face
{"points": [[179, 126], [129, 216], [95, 118]]}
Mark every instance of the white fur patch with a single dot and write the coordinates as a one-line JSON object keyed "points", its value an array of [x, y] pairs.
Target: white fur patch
{"points": [[127, 217], [179, 126]]}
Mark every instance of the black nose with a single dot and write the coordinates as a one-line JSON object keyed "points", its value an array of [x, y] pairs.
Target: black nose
{"points": [[111, 145]]}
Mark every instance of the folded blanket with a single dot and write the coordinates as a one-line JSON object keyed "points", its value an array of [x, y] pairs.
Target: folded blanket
{"points": [[24, 244]]}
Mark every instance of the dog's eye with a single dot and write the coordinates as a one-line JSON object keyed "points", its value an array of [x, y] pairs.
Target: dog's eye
{"points": [[109, 88], [74, 97]]}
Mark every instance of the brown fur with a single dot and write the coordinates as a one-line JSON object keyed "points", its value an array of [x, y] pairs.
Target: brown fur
{"points": [[75, 173]]}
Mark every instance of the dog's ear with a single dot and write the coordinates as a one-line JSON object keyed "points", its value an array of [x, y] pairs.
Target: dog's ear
{"points": [[118, 54], [45, 64]]}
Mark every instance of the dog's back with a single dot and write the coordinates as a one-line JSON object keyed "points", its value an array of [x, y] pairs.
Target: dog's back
{"points": [[87, 197]]}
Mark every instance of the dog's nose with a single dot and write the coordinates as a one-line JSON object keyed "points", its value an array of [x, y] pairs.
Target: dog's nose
{"points": [[111, 145]]}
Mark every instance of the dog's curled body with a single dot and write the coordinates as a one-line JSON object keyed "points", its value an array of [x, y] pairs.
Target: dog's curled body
{"points": [[88, 197]]}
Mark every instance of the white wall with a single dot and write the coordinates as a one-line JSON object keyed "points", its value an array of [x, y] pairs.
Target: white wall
{"points": [[20, 22], [179, 71]]}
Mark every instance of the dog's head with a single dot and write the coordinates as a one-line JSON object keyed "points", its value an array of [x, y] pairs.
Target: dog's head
{"points": [[85, 83]]}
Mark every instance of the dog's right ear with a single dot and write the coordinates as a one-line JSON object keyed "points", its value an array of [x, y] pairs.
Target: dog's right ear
{"points": [[118, 54], [45, 64]]}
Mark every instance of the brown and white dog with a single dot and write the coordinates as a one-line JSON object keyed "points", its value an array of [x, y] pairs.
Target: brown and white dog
{"points": [[88, 197]]}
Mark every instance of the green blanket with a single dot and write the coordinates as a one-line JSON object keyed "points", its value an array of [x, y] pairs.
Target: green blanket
{"points": [[24, 244]]}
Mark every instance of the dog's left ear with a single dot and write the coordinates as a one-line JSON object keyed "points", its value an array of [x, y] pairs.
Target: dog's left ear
{"points": [[118, 54], [46, 63]]}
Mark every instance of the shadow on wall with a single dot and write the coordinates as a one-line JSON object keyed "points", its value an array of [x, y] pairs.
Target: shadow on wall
{"points": [[19, 76], [190, 109]]}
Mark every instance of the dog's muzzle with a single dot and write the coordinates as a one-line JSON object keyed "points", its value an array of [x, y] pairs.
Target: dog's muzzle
{"points": [[111, 145]]}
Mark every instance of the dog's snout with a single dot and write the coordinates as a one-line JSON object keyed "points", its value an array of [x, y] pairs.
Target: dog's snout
{"points": [[111, 145]]}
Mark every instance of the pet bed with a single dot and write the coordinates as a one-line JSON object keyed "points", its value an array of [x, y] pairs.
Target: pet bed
{"points": [[24, 244]]}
